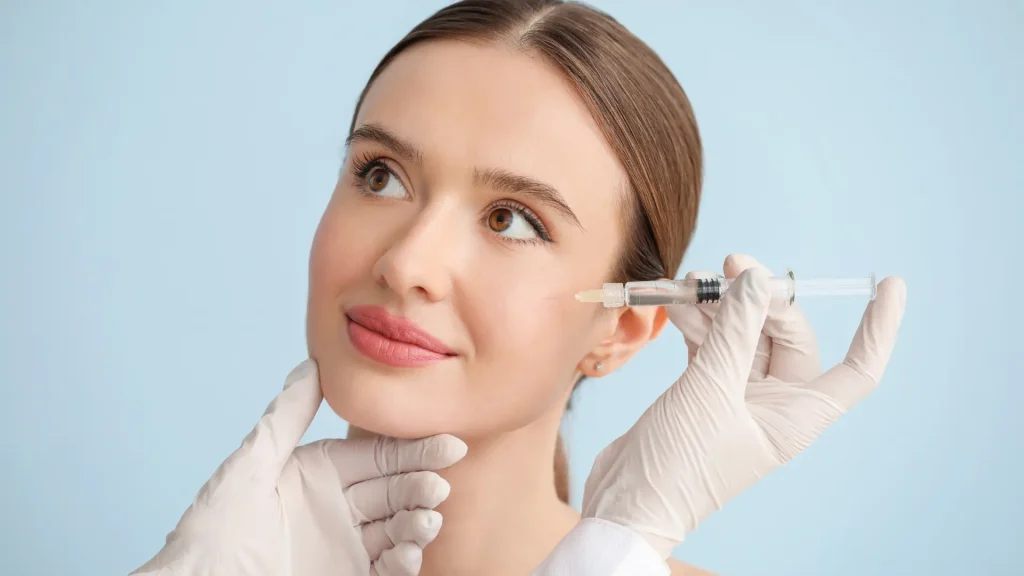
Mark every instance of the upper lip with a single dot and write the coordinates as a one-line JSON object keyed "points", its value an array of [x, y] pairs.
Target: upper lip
{"points": [[396, 328]]}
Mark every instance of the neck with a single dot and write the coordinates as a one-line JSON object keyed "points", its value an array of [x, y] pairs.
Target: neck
{"points": [[503, 515]]}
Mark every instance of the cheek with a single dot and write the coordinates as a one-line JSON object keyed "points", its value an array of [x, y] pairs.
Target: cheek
{"points": [[530, 334], [341, 258], [342, 252]]}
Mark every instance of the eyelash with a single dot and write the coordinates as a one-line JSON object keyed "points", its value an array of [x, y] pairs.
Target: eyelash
{"points": [[363, 164]]}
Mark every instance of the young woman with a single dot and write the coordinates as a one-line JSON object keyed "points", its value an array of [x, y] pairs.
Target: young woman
{"points": [[503, 156]]}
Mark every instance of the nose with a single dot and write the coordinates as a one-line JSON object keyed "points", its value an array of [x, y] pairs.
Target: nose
{"points": [[421, 261]]}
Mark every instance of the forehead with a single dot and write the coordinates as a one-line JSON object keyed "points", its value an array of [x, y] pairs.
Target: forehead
{"points": [[490, 106]]}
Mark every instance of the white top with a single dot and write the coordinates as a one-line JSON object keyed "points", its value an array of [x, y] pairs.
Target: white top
{"points": [[601, 548]]}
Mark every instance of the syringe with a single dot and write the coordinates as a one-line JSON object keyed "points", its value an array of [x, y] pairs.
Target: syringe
{"points": [[705, 290]]}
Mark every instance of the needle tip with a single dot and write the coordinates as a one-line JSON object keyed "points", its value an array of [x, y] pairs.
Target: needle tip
{"points": [[590, 296]]}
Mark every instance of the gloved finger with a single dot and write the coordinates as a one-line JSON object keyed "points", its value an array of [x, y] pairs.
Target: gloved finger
{"points": [[361, 459], [268, 446], [793, 343], [869, 353], [725, 358], [733, 266], [419, 527], [405, 559], [693, 321], [380, 498], [697, 321]]}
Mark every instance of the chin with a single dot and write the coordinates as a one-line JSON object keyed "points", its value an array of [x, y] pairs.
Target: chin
{"points": [[386, 405]]}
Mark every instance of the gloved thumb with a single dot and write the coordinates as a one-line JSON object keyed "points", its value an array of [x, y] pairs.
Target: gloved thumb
{"points": [[727, 354], [267, 448]]}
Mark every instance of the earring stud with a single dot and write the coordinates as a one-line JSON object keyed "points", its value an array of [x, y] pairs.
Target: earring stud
{"points": [[598, 366]]}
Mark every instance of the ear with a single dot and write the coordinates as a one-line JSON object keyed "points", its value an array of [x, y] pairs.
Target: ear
{"points": [[634, 328]]}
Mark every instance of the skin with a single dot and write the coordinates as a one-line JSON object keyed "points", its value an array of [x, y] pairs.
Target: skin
{"points": [[427, 237]]}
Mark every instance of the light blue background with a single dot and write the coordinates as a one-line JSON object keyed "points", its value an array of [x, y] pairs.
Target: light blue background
{"points": [[163, 166]]}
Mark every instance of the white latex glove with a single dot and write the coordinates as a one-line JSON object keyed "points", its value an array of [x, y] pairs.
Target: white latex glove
{"points": [[752, 397], [339, 507]]}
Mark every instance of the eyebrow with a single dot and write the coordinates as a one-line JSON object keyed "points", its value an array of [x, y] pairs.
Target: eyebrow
{"points": [[380, 135], [497, 179]]}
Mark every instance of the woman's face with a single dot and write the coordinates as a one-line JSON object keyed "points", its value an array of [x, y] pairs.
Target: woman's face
{"points": [[478, 195]]}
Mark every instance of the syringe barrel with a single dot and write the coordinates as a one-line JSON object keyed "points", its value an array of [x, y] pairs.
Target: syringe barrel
{"points": [[670, 292], [695, 291], [784, 289]]}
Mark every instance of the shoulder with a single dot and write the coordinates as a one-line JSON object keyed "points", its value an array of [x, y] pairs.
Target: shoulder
{"points": [[680, 569]]}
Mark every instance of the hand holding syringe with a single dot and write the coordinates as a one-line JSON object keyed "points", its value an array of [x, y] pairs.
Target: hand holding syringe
{"points": [[753, 395], [706, 290]]}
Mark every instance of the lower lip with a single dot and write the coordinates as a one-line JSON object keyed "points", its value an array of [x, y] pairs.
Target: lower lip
{"points": [[377, 347]]}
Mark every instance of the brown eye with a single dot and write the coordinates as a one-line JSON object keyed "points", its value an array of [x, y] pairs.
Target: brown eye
{"points": [[378, 179], [500, 219]]}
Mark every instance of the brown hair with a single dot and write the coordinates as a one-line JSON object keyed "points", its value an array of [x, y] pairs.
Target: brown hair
{"points": [[637, 102]]}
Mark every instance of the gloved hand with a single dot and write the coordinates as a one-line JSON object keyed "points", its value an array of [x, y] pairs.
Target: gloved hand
{"points": [[752, 397], [339, 507]]}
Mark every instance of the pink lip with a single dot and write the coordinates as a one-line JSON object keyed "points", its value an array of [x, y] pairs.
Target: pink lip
{"points": [[393, 340]]}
